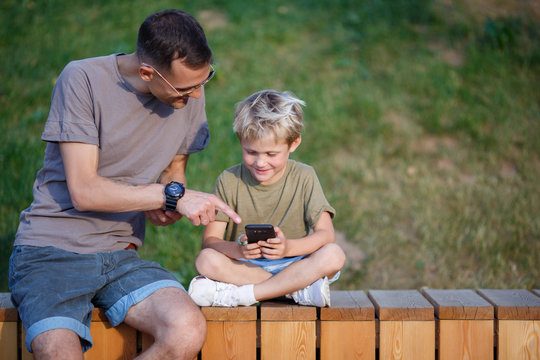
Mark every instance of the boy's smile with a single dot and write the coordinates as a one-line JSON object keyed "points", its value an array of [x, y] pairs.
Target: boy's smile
{"points": [[266, 159]]}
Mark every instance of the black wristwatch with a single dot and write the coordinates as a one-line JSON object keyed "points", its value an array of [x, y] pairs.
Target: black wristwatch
{"points": [[173, 192]]}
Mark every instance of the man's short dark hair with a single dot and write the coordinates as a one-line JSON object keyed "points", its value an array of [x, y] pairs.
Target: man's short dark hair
{"points": [[173, 34]]}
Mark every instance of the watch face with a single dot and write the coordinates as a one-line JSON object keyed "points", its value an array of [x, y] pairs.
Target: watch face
{"points": [[174, 189]]}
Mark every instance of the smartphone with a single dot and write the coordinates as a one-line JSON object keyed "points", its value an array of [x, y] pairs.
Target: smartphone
{"points": [[257, 232]]}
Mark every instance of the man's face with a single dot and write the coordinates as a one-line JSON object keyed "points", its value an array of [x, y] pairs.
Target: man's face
{"points": [[266, 159], [175, 86]]}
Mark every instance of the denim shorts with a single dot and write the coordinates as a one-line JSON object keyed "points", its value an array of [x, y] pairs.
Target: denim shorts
{"points": [[54, 288], [276, 265]]}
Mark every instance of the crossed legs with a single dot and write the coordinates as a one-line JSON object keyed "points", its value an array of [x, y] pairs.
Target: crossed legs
{"points": [[326, 261]]}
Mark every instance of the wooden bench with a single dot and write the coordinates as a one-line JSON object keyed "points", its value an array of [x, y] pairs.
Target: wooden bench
{"points": [[379, 324]]}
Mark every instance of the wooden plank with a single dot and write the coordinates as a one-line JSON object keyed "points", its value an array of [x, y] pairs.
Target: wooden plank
{"points": [[240, 313], [466, 339], [25, 354], [282, 311], [409, 339], [8, 340], [518, 339], [288, 331], [231, 333], [118, 342], [513, 304], [8, 312], [288, 340], [230, 340], [348, 305], [348, 327], [346, 339], [459, 304], [401, 305]]}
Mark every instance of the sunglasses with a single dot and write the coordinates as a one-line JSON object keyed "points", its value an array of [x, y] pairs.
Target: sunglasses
{"points": [[193, 89]]}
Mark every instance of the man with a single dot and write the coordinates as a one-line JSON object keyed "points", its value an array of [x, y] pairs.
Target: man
{"points": [[119, 133]]}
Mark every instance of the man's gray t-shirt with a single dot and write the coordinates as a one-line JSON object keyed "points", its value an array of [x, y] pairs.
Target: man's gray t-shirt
{"points": [[137, 135]]}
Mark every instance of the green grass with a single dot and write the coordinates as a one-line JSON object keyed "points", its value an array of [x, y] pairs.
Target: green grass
{"points": [[422, 122]]}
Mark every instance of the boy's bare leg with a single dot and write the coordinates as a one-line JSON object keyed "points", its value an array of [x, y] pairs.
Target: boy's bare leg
{"points": [[219, 267], [326, 261], [57, 344], [175, 322]]}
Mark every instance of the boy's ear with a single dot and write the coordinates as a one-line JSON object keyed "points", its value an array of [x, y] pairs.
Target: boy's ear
{"points": [[295, 144]]}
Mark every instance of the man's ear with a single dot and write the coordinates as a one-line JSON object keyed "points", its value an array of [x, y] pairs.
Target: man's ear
{"points": [[146, 72], [295, 144]]}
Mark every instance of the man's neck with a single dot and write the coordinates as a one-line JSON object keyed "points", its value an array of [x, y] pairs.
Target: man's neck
{"points": [[128, 66]]}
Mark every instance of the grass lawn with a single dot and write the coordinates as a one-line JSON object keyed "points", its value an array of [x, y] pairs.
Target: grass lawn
{"points": [[422, 122]]}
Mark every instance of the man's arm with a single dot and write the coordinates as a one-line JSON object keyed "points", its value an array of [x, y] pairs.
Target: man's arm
{"points": [[176, 171], [92, 192]]}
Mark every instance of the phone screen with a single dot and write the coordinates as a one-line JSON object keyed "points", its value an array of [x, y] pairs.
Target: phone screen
{"points": [[257, 232]]}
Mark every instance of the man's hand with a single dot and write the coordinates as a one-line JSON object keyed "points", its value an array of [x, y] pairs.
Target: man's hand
{"points": [[201, 208], [160, 217], [274, 248]]}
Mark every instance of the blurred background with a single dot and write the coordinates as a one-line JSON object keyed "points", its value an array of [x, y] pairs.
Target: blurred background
{"points": [[422, 122]]}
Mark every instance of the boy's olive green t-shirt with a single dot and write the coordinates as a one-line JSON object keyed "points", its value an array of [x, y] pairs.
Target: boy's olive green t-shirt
{"points": [[294, 203]]}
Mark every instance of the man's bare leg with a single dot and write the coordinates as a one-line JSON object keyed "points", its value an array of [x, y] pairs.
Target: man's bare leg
{"points": [[57, 344], [175, 322]]}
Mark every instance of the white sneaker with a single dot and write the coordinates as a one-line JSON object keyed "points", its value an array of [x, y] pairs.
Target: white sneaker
{"points": [[206, 292], [316, 294]]}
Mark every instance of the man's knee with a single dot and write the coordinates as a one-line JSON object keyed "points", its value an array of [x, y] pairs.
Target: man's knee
{"points": [[185, 332], [57, 344]]}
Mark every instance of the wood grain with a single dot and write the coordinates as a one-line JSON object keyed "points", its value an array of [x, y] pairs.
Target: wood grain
{"points": [[281, 311], [466, 339], [513, 304], [348, 340], [407, 340], [230, 340], [459, 304], [348, 305], [518, 339], [112, 343], [401, 305], [240, 313], [288, 340]]}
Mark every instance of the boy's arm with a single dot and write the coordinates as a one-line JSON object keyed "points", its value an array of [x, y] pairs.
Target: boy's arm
{"points": [[323, 233], [213, 238]]}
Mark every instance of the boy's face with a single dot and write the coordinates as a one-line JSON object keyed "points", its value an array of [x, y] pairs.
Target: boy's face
{"points": [[267, 158]]}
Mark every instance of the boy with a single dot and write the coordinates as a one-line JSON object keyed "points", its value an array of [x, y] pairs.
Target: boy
{"points": [[269, 188]]}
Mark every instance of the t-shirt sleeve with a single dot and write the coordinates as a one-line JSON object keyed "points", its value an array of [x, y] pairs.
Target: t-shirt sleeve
{"points": [[314, 199], [71, 117]]}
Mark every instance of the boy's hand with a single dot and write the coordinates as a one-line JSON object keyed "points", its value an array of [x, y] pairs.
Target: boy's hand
{"points": [[274, 248], [249, 251]]}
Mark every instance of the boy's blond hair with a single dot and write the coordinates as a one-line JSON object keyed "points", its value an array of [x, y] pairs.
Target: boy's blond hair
{"points": [[269, 110]]}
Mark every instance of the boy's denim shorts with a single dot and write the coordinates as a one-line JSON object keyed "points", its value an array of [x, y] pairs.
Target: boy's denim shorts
{"points": [[276, 265], [54, 288]]}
